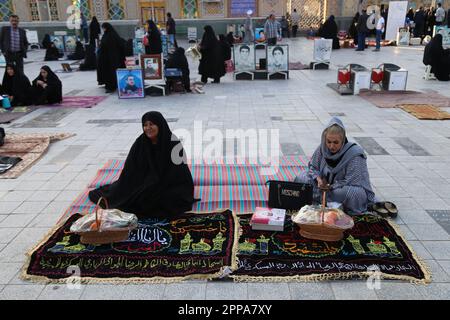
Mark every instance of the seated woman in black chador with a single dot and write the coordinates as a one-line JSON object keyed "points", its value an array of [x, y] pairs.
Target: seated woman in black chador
{"points": [[52, 53], [17, 86], [46, 41], [178, 61], [47, 88], [155, 181], [438, 58], [79, 53]]}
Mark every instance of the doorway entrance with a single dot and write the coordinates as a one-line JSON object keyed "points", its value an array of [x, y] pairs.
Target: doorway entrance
{"points": [[153, 10]]}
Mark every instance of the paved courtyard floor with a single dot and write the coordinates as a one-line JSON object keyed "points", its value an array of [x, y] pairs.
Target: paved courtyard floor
{"points": [[300, 107]]}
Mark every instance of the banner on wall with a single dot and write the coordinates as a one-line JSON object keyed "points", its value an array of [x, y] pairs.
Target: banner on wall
{"points": [[396, 18]]}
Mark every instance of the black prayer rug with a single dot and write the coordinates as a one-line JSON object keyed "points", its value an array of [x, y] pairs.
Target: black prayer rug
{"points": [[373, 248], [192, 246]]}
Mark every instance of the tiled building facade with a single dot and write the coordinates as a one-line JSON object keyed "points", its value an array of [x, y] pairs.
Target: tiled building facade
{"points": [[44, 15], [51, 10]]}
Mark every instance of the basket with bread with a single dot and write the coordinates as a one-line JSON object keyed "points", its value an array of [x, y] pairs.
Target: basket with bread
{"points": [[322, 223]]}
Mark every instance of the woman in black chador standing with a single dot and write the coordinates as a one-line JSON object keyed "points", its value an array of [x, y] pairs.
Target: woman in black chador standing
{"points": [[154, 39], [212, 62], [47, 88], [155, 180], [94, 31], [329, 30], [111, 56]]}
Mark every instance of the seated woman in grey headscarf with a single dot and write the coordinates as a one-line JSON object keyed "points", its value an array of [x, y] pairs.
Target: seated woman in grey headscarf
{"points": [[343, 166]]}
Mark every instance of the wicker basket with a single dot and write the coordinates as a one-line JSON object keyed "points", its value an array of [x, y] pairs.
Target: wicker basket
{"points": [[322, 231], [97, 237]]}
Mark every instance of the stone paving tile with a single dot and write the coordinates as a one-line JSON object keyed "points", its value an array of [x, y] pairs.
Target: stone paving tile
{"points": [[8, 271], [429, 231], [435, 291], [8, 234], [15, 252], [398, 291], [31, 235], [31, 207], [411, 147], [353, 290], [68, 154], [44, 220], [185, 291], [420, 250], [437, 272], [311, 291], [48, 119], [442, 217], [17, 221], [289, 149], [144, 292], [371, 146], [440, 250], [269, 291], [61, 292], [21, 292], [445, 264], [6, 207], [226, 291], [103, 292]]}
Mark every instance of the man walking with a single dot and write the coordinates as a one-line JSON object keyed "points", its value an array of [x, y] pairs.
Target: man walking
{"points": [[295, 18], [271, 29], [379, 32], [362, 30], [440, 15], [14, 43], [170, 27]]}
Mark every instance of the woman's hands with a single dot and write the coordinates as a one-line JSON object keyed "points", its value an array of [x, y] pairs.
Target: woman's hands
{"points": [[42, 84], [322, 184]]}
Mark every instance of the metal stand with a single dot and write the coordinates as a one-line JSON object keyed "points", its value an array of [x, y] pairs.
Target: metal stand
{"points": [[314, 64], [278, 72], [244, 72], [156, 85]]}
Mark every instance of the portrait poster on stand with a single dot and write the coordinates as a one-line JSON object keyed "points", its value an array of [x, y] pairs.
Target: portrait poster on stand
{"points": [[152, 66], [244, 57], [130, 83], [278, 58], [59, 42], [322, 50], [445, 32], [70, 43]]}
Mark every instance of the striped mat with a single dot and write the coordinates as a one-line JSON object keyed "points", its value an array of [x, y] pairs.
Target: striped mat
{"points": [[239, 187]]}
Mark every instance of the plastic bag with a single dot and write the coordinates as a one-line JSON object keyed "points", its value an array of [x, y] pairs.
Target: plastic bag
{"points": [[109, 220], [331, 216]]}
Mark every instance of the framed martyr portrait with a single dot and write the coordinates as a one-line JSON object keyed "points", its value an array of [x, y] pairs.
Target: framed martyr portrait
{"points": [[152, 66], [130, 83]]}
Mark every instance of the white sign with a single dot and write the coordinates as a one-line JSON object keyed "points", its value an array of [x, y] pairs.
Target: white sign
{"points": [[60, 33], [32, 36], [396, 18], [192, 33], [322, 50]]}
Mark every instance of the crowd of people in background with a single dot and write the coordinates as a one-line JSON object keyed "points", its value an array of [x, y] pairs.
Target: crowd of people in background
{"points": [[107, 53]]}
